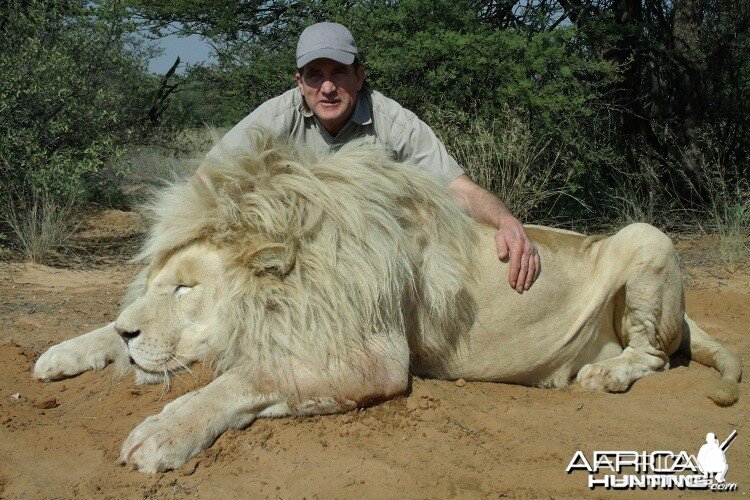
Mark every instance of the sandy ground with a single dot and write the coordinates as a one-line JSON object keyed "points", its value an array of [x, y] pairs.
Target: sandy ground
{"points": [[61, 439]]}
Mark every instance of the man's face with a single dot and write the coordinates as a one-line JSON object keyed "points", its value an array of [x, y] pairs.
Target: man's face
{"points": [[330, 91]]}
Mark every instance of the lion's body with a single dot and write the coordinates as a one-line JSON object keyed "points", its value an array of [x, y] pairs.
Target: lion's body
{"points": [[314, 284], [544, 336], [551, 340]]}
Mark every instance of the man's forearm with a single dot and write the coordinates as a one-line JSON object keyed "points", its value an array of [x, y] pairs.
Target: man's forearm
{"points": [[482, 205], [512, 242], [488, 209]]}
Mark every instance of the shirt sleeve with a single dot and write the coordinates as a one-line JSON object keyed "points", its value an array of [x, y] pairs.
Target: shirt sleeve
{"points": [[237, 140], [417, 144]]}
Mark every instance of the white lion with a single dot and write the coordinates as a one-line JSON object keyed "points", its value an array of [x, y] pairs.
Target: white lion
{"points": [[317, 284]]}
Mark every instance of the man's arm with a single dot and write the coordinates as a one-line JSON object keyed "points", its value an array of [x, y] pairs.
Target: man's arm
{"points": [[512, 242], [415, 142]]}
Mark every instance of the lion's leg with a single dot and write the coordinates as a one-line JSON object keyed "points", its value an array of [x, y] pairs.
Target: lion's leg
{"points": [[649, 315], [192, 423], [90, 351], [235, 399]]}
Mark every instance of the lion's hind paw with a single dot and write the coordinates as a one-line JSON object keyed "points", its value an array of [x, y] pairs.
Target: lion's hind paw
{"points": [[602, 378]]}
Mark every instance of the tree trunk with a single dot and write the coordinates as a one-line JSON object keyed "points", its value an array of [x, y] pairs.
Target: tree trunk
{"points": [[689, 106]]}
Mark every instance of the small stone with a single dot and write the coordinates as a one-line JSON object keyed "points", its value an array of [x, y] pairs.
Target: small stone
{"points": [[16, 395], [189, 468], [46, 404], [460, 382]]}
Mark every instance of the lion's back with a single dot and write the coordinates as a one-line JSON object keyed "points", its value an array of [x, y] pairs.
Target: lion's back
{"points": [[560, 240]]}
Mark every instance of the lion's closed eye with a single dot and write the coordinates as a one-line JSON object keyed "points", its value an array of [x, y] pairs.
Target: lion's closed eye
{"points": [[181, 290]]}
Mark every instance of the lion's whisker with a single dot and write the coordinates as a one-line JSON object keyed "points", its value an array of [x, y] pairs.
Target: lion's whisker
{"points": [[185, 367], [167, 385]]}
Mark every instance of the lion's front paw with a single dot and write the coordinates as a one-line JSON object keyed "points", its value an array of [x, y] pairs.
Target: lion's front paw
{"points": [[62, 361], [163, 442], [603, 378]]}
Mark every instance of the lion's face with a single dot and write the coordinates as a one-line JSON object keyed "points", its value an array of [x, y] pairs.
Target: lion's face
{"points": [[169, 326]]}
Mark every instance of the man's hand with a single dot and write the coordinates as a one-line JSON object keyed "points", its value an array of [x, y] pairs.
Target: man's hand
{"points": [[514, 246], [512, 243]]}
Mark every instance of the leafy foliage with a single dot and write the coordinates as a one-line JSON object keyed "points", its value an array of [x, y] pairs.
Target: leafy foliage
{"points": [[626, 92], [73, 92], [619, 104]]}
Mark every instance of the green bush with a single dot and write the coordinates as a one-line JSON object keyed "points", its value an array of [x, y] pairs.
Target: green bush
{"points": [[72, 94]]}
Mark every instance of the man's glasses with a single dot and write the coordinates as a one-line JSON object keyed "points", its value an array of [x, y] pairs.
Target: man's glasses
{"points": [[338, 78]]}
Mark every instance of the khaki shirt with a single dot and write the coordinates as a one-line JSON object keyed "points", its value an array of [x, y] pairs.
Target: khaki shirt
{"points": [[376, 118]]}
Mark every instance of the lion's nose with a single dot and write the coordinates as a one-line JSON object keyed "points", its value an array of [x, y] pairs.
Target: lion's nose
{"points": [[127, 335]]}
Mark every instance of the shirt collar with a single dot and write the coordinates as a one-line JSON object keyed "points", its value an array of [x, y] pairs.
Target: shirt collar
{"points": [[362, 114], [302, 106], [363, 111]]}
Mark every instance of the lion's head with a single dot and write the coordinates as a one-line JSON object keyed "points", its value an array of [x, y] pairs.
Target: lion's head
{"points": [[169, 326]]}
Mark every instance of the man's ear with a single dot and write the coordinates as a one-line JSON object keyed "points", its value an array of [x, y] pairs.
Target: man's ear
{"points": [[298, 77], [360, 77]]}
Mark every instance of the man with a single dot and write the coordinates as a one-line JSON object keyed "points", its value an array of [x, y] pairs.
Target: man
{"points": [[711, 458], [331, 106]]}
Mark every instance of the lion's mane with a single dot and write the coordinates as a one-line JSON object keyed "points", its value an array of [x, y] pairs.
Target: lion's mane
{"points": [[331, 255]]}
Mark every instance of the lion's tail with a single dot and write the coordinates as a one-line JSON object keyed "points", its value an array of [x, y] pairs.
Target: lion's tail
{"points": [[708, 352]]}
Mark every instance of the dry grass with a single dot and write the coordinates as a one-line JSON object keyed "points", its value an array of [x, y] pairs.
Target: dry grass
{"points": [[504, 158], [639, 197], [140, 169], [721, 192], [42, 227], [731, 221], [725, 194]]}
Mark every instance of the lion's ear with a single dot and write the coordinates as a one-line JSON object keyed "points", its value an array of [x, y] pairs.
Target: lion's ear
{"points": [[270, 258]]}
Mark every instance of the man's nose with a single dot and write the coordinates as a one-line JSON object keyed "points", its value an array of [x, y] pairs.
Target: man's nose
{"points": [[328, 87]]}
